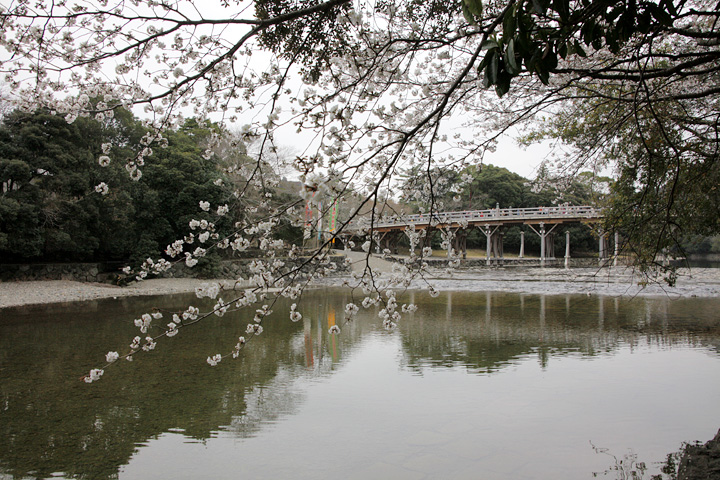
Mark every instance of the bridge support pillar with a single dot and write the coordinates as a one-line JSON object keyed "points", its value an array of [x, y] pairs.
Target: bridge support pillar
{"points": [[603, 248], [522, 245], [487, 245], [427, 239], [567, 249], [389, 242], [497, 246], [547, 242], [449, 237], [494, 246], [617, 249], [460, 242]]}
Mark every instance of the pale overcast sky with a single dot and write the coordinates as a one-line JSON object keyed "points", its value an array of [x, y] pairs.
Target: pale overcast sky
{"points": [[523, 161]]}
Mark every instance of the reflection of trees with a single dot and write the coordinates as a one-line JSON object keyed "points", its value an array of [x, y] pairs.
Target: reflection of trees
{"points": [[486, 331], [52, 422]]}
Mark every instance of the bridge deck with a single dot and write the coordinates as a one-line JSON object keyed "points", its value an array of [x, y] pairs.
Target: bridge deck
{"points": [[491, 217]]}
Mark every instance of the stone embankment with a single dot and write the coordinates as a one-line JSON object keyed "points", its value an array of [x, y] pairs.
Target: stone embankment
{"points": [[81, 272]]}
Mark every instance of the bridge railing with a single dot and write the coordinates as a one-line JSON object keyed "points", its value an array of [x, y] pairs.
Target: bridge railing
{"points": [[500, 214]]}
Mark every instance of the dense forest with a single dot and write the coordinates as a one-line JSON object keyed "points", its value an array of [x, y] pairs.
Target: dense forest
{"points": [[66, 194]]}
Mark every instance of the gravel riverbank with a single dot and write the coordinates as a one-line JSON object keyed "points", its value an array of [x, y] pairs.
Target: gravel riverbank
{"points": [[14, 294], [700, 282]]}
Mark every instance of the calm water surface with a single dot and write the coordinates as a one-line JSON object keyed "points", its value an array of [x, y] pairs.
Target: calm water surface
{"points": [[472, 386]]}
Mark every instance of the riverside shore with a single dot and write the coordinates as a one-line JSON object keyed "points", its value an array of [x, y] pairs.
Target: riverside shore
{"points": [[14, 294], [619, 281]]}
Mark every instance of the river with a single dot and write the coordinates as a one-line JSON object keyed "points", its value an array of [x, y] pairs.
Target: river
{"points": [[472, 385]]}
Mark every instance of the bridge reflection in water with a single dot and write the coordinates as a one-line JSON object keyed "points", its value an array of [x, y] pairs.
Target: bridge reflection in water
{"points": [[387, 230]]}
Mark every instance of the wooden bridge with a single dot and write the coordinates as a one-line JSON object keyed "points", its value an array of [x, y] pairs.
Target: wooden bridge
{"points": [[387, 229]]}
